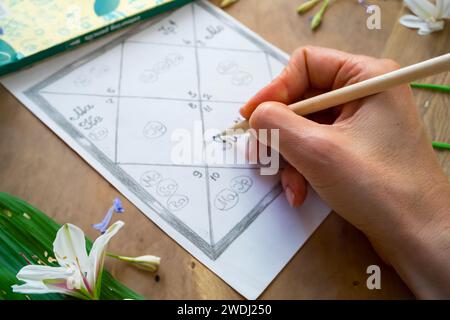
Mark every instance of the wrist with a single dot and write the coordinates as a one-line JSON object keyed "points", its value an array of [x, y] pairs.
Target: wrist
{"points": [[420, 249]]}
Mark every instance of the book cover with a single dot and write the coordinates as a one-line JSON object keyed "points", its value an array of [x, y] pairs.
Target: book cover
{"points": [[31, 30]]}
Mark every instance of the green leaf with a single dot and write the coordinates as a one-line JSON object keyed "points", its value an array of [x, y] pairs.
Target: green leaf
{"points": [[430, 86], [27, 234], [441, 145]]}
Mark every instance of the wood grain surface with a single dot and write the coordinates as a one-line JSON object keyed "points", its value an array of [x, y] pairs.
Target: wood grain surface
{"points": [[40, 168]]}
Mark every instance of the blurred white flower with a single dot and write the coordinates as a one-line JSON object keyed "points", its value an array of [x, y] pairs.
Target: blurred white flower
{"points": [[428, 17], [147, 263]]}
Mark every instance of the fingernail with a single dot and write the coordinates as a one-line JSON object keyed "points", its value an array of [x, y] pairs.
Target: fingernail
{"points": [[290, 196], [243, 111]]}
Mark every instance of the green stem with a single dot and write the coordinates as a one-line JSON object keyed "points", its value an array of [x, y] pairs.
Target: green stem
{"points": [[306, 6], [112, 255], [430, 86], [317, 19], [441, 145]]}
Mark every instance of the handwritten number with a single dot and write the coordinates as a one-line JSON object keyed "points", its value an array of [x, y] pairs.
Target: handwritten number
{"points": [[207, 108], [197, 174], [90, 122], [215, 176]]}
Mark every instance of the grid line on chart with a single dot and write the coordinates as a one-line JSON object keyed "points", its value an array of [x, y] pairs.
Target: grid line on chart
{"points": [[139, 97], [116, 143], [192, 46], [197, 64], [188, 165], [268, 65]]}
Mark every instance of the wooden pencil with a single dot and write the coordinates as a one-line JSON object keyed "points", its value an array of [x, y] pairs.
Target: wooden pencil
{"points": [[361, 89]]}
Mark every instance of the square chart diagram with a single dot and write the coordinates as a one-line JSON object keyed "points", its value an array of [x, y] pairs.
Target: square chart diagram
{"points": [[124, 102]]}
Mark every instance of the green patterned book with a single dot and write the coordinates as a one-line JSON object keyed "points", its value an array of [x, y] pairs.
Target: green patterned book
{"points": [[32, 30]]}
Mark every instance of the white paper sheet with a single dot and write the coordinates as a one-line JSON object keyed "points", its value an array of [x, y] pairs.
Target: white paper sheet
{"points": [[117, 103]]}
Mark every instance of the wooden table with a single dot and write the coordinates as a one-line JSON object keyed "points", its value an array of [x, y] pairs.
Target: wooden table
{"points": [[40, 168]]}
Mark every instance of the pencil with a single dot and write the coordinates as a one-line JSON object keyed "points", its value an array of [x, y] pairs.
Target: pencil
{"points": [[361, 89]]}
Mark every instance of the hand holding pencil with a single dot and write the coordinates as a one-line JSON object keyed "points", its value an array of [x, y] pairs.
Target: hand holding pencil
{"points": [[369, 159], [364, 88]]}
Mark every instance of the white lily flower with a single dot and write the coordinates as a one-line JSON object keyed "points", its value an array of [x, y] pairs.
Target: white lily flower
{"points": [[79, 274], [428, 17]]}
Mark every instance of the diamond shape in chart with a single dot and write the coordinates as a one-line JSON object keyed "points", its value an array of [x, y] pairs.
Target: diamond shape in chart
{"points": [[127, 105], [229, 75], [214, 33], [149, 70], [216, 116], [178, 29], [92, 116], [99, 76], [165, 129], [168, 186], [237, 195]]}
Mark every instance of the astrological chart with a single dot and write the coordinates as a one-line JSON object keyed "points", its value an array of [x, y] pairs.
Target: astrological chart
{"points": [[123, 105]]}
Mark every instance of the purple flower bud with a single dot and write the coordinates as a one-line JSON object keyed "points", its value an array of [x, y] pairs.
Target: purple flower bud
{"points": [[104, 224]]}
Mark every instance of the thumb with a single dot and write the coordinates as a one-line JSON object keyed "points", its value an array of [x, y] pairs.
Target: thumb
{"points": [[305, 144]]}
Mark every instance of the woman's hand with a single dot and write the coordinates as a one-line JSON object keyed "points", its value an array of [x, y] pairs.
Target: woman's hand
{"points": [[369, 159]]}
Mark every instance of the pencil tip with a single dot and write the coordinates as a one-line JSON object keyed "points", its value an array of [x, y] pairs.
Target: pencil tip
{"points": [[220, 137]]}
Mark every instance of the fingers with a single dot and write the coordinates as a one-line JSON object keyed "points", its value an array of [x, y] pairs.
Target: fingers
{"points": [[309, 67], [289, 86], [294, 185], [315, 68], [301, 141]]}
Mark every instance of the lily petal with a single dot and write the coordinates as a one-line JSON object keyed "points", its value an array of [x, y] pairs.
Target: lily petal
{"points": [[35, 272], [45, 279], [33, 287], [443, 9], [70, 248], [38, 287], [437, 25], [412, 21], [425, 27], [97, 256], [421, 8], [447, 11]]}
